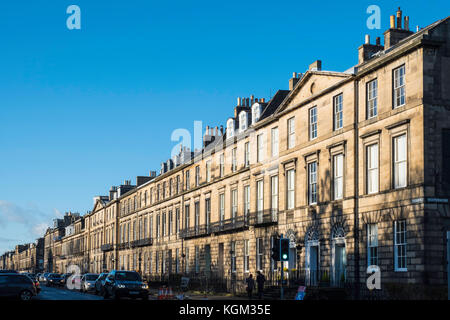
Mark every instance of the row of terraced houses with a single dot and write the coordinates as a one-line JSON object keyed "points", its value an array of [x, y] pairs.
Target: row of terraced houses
{"points": [[353, 167]]}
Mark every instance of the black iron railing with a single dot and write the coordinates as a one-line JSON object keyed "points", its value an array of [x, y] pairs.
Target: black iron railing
{"points": [[264, 218], [141, 242], [107, 247]]}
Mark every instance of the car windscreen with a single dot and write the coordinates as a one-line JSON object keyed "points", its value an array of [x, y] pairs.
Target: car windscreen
{"points": [[103, 276], [91, 277], [127, 276]]}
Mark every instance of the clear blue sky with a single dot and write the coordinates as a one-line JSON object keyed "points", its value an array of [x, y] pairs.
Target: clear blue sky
{"points": [[85, 109]]}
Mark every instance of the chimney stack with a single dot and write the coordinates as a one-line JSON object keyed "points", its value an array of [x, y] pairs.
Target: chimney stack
{"points": [[367, 50], [316, 66], [406, 23], [395, 34]]}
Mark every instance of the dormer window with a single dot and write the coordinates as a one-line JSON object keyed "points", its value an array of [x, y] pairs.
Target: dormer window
{"points": [[230, 128], [256, 112], [243, 122]]}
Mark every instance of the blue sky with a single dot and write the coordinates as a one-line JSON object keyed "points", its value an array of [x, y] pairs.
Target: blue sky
{"points": [[82, 110]]}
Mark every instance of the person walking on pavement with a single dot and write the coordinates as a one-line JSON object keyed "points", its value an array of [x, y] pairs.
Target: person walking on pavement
{"points": [[260, 279], [250, 286]]}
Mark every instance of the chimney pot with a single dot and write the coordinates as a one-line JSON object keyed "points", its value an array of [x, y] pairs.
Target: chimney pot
{"points": [[367, 39], [262, 100], [392, 26], [239, 101], [378, 41], [294, 75], [399, 18], [406, 23]]}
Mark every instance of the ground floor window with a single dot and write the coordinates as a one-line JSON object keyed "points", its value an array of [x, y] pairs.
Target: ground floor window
{"points": [[259, 254], [400, 245]]}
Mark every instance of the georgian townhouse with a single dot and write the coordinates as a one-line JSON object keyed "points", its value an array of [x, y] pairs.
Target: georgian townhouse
{"points": [[352, 167]]}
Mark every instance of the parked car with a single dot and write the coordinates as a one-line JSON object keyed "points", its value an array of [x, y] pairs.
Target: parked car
{"points": [[43, 277], [99, 283], [54, 279], [88, 282], [66, 276], [121, 283], [14, 285]]}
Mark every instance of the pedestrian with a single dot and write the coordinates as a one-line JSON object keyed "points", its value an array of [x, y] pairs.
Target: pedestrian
{"points": [[260, 279], [250, 286]]}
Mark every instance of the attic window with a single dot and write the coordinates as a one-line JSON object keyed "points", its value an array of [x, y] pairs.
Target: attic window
{"points": [[256, 112], [230, 128], [243, 121]]}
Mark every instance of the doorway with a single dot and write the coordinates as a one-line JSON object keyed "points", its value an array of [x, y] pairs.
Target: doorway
{"points": [[312, 263]]}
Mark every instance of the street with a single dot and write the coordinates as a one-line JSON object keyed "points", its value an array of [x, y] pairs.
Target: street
{"points": [[52, 293]]}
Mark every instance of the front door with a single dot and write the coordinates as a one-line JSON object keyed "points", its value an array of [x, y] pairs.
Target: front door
{"points": [[339, 264], [312, 264], [208, 259]]}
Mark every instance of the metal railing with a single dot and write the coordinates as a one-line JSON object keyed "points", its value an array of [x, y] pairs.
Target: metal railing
{"points": [[264, 218], [107, 247], [141, 242]]}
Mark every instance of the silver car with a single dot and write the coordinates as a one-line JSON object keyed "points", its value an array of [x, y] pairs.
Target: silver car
{"points": [[88, 282]]}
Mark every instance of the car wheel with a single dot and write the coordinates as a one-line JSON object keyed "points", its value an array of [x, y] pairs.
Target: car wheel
{"points": [[105, 294], [26, 295]]}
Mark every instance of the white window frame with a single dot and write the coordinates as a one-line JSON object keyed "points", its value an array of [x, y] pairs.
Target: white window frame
{"points": [[400, 245], [260, 196], [260, 147], [291, 132], [290, 187], [372, 244], [372, 168], [234, 159], [400, 164], [312, 182], [313, 123], [399, 84], [275, 143], [221, 165], [222, 207], [234, 203], [247, 154], [338, 176], [372, 99], [259, 254], [274, 194], [247, 201], [338, 111]]}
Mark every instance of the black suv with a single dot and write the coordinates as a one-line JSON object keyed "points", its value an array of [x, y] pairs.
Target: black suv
{"points": [[121, 283]]}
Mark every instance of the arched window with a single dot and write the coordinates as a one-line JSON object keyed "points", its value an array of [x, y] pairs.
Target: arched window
{"points": [[256, 112], [243, 121], [230, 128]]}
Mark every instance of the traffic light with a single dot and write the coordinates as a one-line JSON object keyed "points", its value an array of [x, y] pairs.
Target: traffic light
{"points": [[276, 249], [284, 249]]}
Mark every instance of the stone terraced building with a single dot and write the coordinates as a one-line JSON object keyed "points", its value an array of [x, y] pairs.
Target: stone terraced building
{"points": [[353, 167]]}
